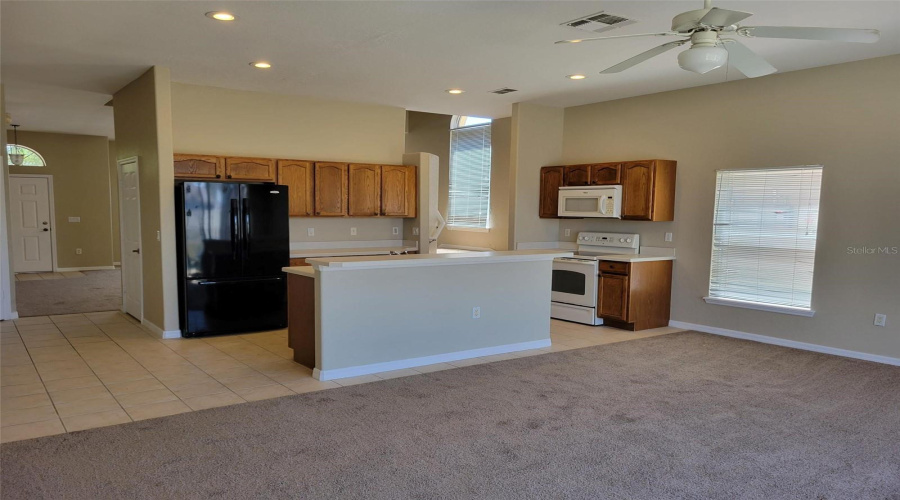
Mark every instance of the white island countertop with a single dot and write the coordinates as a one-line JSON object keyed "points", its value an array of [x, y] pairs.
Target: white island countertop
{"points": [[306, 253], [424, 260]]}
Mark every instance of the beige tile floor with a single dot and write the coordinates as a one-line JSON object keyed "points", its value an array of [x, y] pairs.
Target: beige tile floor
{"points": [[78, 371], [48, 276]]}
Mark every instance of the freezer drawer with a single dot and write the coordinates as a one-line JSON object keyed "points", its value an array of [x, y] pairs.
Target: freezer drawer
{"points": [[234, 306]]}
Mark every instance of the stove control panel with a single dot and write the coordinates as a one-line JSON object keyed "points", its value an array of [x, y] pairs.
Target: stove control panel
{"points": [[617, 240]]}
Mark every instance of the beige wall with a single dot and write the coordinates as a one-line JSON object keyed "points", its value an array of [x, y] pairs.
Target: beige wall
{"points": [[143, 129], [430, 133], [114, 202], [79, 165], [239, 123], [537, 138], [844, 117]]}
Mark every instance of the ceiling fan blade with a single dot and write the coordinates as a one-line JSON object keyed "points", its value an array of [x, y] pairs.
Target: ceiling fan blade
{"points": [[643, 56], [746, 61], [579, 40], [723, 17], [811, 33]]}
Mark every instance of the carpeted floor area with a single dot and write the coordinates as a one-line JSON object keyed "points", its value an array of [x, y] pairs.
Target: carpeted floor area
{"points": [[685, 415], [96, 291]]}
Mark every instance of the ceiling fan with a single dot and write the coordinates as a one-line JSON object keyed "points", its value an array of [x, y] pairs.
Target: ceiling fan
{"points": [[706, 30]]}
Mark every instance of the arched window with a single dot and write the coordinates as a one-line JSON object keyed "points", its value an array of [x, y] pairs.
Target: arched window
{"points": [[470, 173], [31, 158]]}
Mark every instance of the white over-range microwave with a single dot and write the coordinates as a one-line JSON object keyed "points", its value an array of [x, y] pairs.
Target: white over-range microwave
{"points": [[591, 201]]}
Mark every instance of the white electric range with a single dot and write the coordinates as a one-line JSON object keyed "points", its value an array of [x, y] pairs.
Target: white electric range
{"points": [[575, 279]]}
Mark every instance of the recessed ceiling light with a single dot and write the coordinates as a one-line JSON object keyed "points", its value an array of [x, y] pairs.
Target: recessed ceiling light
{"points": [[261, 65], [455, 91], [220, 16], [576, 77]]}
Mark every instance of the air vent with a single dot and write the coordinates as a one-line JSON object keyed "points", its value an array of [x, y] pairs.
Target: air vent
{"points": [[599, 22], [504, 90]]}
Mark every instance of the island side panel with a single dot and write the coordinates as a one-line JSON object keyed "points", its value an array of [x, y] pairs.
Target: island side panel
{"points": [[370, 316], [302, 319]]}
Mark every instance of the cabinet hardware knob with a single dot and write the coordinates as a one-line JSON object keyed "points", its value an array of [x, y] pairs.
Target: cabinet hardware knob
{"points": [[218, 176], [229, 176]]}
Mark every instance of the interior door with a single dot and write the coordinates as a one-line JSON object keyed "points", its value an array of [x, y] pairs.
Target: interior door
{"points": [[130, 235], [29, 208], [265, 238]]}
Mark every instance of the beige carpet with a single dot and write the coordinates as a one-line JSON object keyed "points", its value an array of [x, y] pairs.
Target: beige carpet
{"points": [[95, 291], [685, 415]]}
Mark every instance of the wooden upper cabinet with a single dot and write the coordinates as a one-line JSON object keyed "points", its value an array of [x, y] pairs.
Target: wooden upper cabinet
{"points": [[648, 190], [198, 167], [330, 181], [298, 177], [250, 169], [365, 190], [577, 175], [603, 174], [398, 190], [552, 178]]}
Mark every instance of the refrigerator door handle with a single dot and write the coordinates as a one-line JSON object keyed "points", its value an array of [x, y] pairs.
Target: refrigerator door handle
{"points": [[234, 229], [246, 209], [236, 282]]}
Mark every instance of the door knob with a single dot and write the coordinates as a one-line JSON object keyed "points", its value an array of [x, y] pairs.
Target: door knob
{"points": [[46, 229], [136, 251], [44, 223]]}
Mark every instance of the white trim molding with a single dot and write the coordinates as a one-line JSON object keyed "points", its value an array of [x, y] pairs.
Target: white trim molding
{"points": [[765, 339], [796, 311], [88, 268], [355, 371], [159, 332]]}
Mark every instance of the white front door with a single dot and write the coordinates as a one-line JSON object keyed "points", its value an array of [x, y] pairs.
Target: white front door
{"points": [[130, 231], [29, 209]]}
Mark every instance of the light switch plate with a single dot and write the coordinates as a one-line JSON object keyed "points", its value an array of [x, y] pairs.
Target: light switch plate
{"points": [[74, 219], [668, 236], [310, 231], [352, 231], [415, 231], [880, 319]]}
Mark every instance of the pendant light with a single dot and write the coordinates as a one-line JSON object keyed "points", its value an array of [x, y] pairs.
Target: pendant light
{"points": [[18, 157]]}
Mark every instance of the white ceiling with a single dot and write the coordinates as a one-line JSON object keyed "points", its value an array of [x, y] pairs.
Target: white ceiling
{"points": [[61, 61]]}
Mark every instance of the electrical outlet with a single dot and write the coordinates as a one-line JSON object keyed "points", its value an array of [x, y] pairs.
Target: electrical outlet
{"points": [[77, 251], [668, 236], [476, 312], [568, 232], [415, 231], [395, 230], [352, 231], [310, 231], [880, 319]]}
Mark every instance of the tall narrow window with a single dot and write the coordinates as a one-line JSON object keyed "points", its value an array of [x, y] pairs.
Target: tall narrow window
{"points": [[764, 238], [470, 173]]}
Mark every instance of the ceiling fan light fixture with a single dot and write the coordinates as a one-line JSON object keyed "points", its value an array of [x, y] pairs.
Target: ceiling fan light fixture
{"points": [[703, 59]]}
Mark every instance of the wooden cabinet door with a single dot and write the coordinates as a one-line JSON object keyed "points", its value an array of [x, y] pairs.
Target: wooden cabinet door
{"points": [[637, 190], [250, 169], [551, 180], [198, 167], [612, 300], [603, 174], [578, 175], [365, 190], [330, 181], [298, 177], [398, 190]]}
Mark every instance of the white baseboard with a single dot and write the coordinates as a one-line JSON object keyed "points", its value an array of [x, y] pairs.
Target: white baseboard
{"points": [[117, 264], [765, 339], [89, 268], [159, 332], [355, 371]]}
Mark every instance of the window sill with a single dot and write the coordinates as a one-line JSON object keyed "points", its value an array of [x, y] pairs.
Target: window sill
{"points": [[469, 229], [796, 311]]}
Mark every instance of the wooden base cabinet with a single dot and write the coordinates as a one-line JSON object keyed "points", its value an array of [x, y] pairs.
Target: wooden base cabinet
{"points": [[635, 296]]}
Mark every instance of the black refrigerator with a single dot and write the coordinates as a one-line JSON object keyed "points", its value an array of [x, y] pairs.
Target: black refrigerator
{"points": [[232, 243]]}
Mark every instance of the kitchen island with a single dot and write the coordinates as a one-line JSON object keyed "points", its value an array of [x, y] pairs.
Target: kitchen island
{"points": [[352, 316]]}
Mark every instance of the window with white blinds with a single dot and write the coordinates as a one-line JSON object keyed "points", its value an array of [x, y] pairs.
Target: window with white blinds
{"points": [[470, 177], [764, 238]]}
